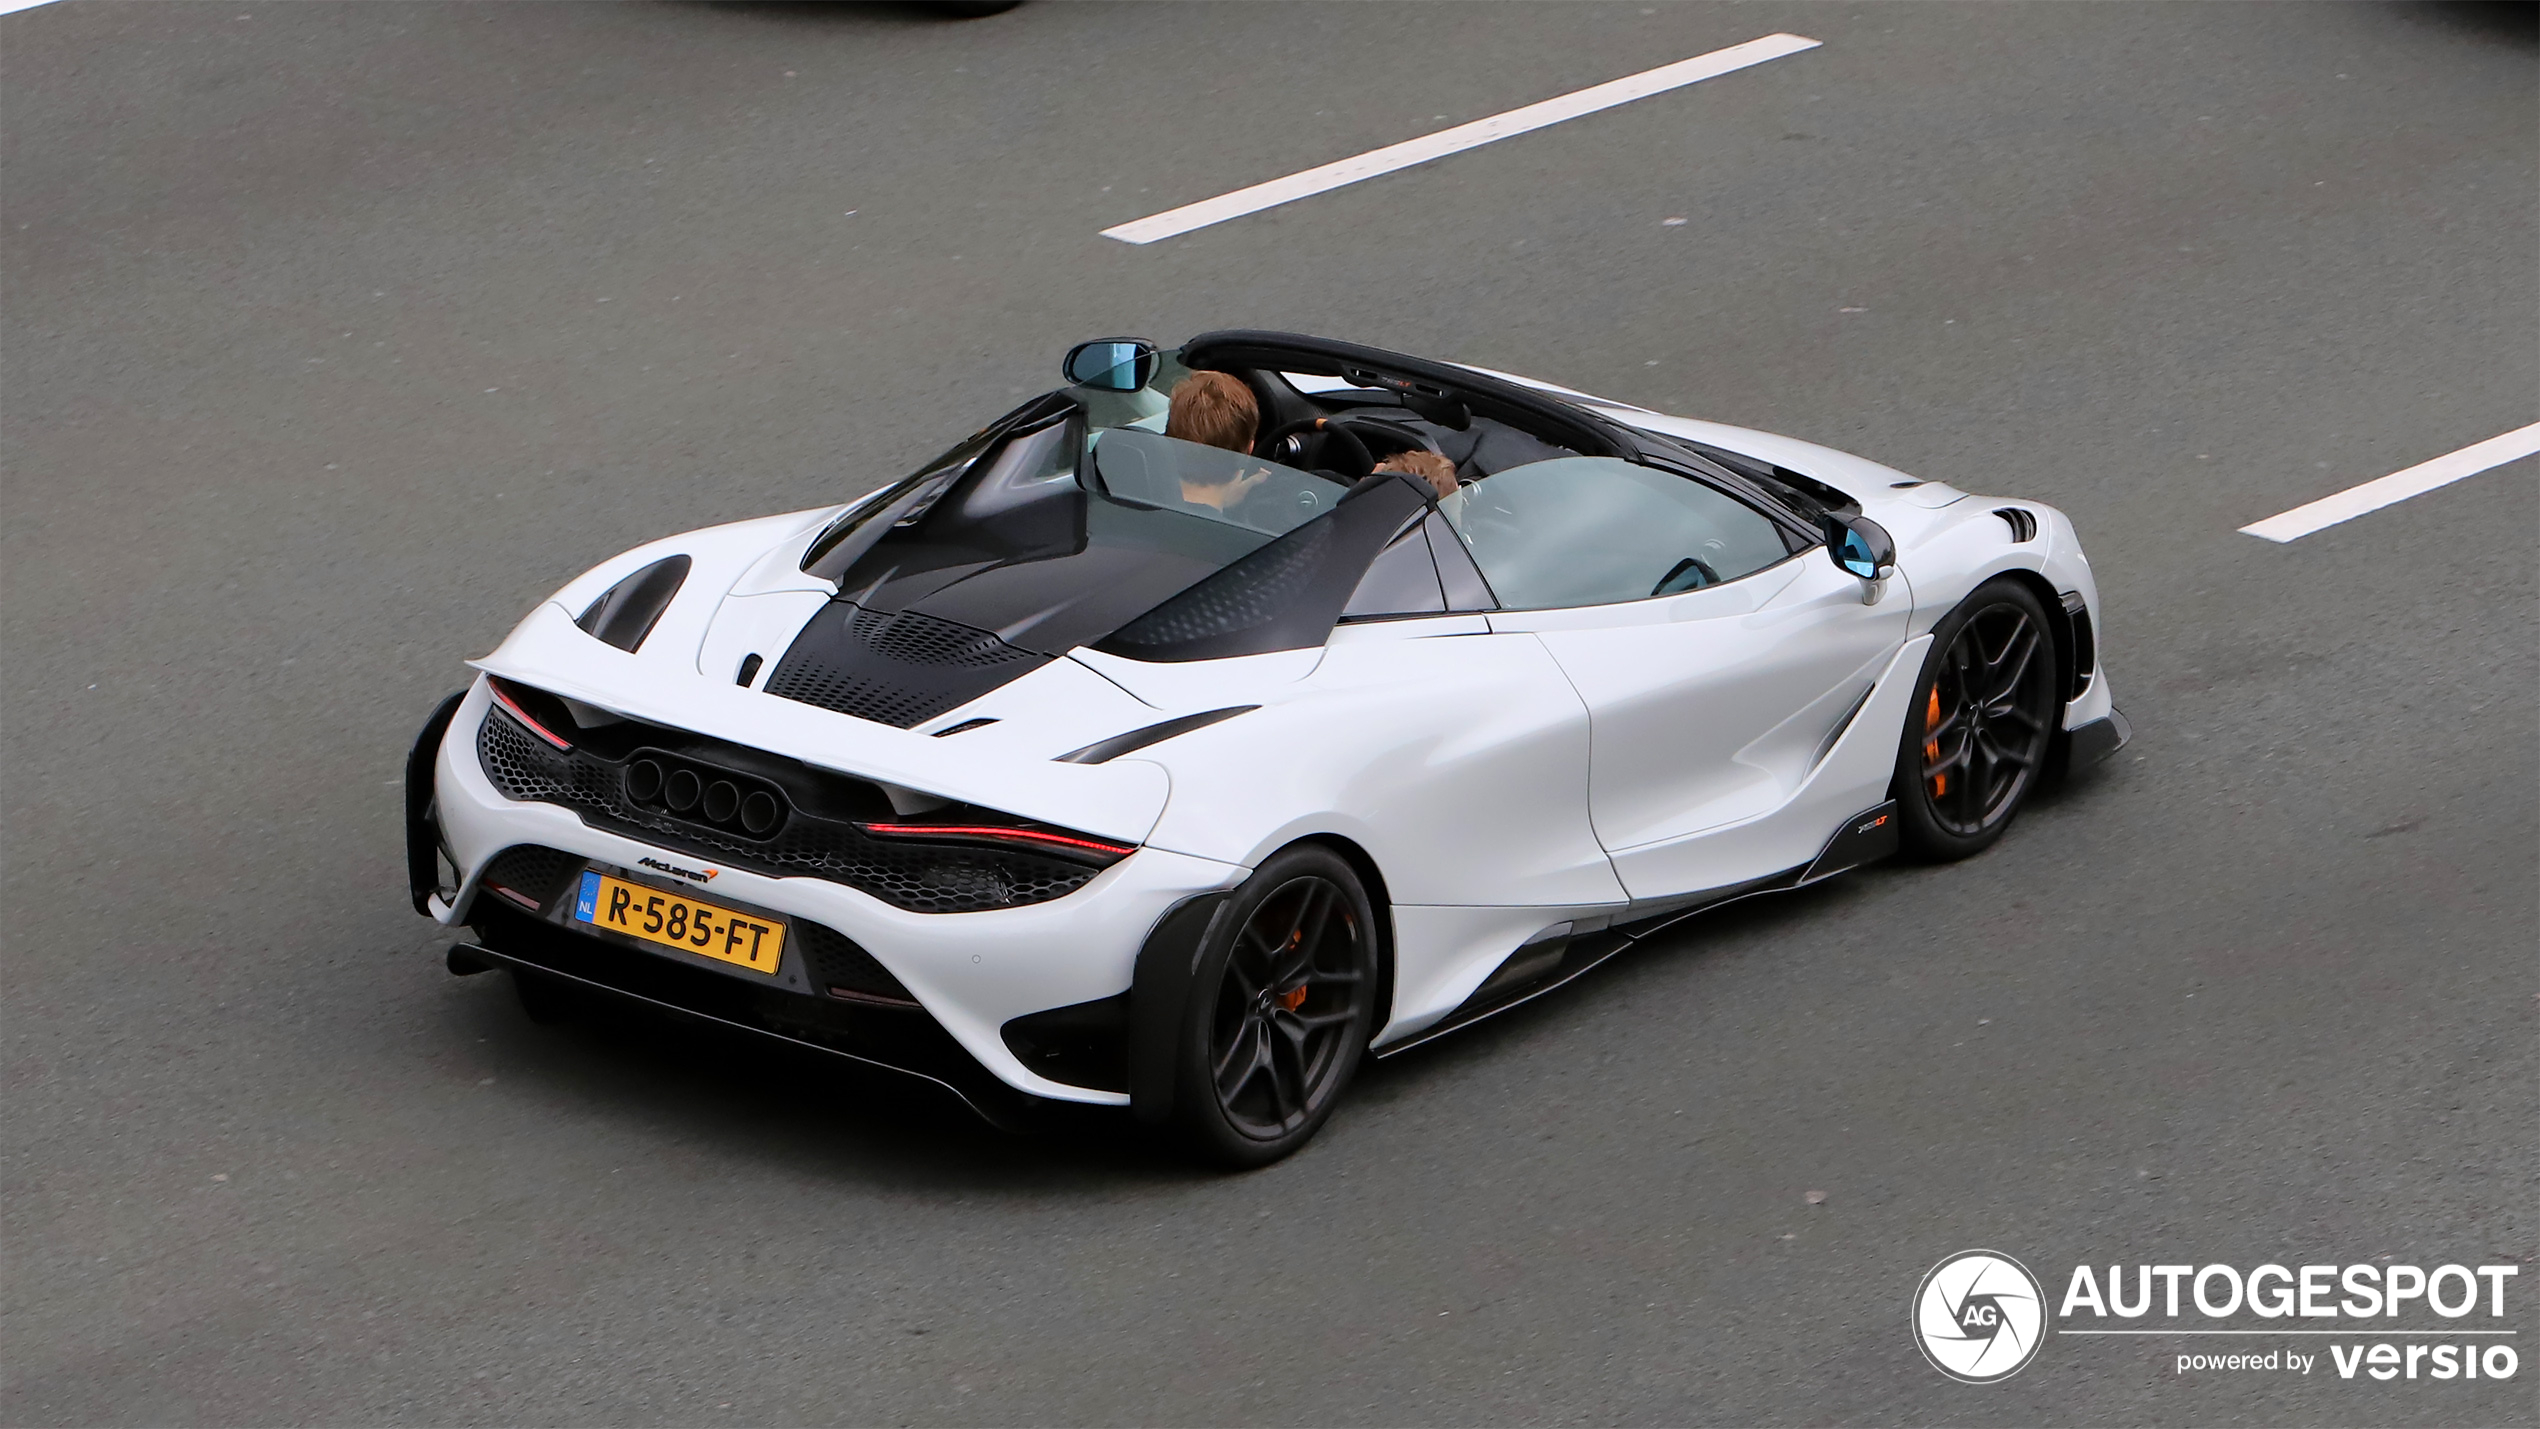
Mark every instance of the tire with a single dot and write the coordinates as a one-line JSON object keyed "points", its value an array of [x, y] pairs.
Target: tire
{"points": [[1282, 1003], [545, 1000], [1978, 735]]}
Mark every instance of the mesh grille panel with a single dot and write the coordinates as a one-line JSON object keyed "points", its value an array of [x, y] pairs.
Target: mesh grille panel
{"points": [[835, 960], [921, 878], [899, 670], [1249, 594], [536, 872]]}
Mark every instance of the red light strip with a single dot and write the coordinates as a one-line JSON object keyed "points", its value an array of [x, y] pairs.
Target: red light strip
{"points": [[991, 831], [516, 712]]}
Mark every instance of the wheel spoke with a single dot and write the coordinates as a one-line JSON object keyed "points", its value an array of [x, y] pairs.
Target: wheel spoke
{"points": [[1246, 1057], [2021, 652], [1296, 953], [2025, 717], [1956, 759], [1265, 957], [1972, 788], [1287, 1075], [1300, 1025]]}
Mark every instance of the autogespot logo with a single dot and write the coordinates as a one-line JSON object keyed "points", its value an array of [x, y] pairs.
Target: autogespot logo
{"points": [[1979, 1316]]}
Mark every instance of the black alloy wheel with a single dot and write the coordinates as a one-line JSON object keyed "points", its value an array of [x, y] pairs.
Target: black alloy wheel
{"points": [[1281, 1009], [1983, 720]]}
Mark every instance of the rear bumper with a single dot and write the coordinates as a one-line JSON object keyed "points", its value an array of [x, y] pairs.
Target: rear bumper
{"points": [[902, 1040], [974, 973]]}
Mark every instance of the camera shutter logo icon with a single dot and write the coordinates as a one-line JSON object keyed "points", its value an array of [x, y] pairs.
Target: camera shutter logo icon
{"points": [[1979, 1316]]}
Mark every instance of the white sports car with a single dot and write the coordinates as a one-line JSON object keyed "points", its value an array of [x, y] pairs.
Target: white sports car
{"points": [[1088, 765]]}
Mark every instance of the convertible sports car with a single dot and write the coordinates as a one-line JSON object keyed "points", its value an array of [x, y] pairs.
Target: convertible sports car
{"points": [[1089, 765]]}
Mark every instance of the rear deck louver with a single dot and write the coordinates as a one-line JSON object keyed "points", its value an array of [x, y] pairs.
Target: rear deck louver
{"points": [[900, 670]]}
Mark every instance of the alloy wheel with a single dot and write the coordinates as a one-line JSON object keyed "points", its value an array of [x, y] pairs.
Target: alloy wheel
{"points": [[1987, 716], [1295, 992]]}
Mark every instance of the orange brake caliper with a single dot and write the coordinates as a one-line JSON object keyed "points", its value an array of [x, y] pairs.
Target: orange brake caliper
{"points": [[1931, 747]]}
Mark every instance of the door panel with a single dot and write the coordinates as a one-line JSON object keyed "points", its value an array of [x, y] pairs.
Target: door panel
{"points": [[1710, 708], [1457, 758]]}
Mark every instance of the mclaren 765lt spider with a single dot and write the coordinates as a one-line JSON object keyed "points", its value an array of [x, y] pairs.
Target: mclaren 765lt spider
{"points": [[1091, 765]]}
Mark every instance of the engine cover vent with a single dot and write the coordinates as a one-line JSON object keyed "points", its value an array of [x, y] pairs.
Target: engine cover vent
{"points": [[900, 670], [2023, 524]]}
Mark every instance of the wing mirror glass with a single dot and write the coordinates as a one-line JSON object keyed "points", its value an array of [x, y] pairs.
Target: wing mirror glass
{"points": [[1112, 364], [1860, 546]]}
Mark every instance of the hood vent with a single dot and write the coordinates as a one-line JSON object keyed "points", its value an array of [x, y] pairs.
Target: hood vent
{"points": [[900, 670]]}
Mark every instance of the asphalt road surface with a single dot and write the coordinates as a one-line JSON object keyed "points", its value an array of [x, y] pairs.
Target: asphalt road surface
{"points": [[336, 335]]}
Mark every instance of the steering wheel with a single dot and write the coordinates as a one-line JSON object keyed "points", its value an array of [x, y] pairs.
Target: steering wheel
{"points": [[1687, 574], [1311, 442]]}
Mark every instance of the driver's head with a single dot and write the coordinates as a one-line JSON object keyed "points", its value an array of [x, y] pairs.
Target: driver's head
{"points": [[1214, 410], [1436, 470]]}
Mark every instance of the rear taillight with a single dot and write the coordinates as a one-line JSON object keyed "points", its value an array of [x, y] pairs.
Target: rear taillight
{"points": [[1077, 847], [542, 713]]}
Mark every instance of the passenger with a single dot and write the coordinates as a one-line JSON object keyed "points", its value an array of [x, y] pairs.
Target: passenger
{"points": [[1215, 410], [1436, 470]]}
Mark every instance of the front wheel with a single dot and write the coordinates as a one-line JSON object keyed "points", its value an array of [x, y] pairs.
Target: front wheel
{"points": [[1282, 1004], [1983, 718]]}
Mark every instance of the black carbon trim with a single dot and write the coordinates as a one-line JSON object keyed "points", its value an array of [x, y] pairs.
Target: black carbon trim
{"points": [[2095, 741], [1158, 994], [901, 670], [627, 612], [423, 836], [1136, 739], [1085, 1044]]}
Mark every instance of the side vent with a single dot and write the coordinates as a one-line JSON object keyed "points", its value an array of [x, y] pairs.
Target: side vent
{"points": [[2085, 642], [2023, 524], [626, 612]]}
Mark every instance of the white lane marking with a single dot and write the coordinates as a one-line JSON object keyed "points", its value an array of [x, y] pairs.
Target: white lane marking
{"points": [[11, 7], [2417, 480], [1454, 141]]}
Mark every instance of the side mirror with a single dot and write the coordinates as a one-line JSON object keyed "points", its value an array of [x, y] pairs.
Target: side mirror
{"points": [[1112, 364], [1860, 546]]}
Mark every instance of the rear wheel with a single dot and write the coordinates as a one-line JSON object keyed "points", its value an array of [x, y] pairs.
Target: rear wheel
{"points": [[1983, 719], [1282, 1004]]}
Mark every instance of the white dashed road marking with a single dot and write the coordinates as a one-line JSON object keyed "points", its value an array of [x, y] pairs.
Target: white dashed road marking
{"points": [[1456, 140], [2417, 480]]}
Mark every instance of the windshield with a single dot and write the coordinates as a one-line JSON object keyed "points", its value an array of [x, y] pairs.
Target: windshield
{"points": [[1153, 471], [1596, 530]]}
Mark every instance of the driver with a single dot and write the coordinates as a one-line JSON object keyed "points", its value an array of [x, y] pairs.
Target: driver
{"points": [[1215, 410], [1436, 470]]}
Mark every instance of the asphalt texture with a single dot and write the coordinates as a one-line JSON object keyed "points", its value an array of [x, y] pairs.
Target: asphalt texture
{"points": [[336, 335]]}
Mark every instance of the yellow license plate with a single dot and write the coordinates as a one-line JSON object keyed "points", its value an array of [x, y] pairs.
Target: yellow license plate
{"points": [[676, 921]]}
